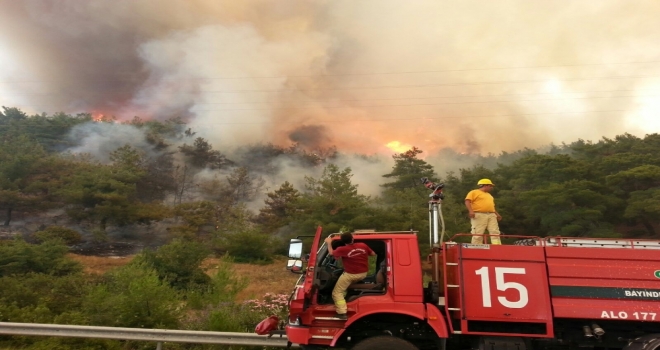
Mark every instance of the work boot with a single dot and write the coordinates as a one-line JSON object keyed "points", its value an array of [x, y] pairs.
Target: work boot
{"points": [[341, 316]]}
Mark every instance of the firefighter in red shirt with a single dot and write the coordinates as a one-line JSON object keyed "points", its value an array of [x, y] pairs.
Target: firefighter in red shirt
{"points": [[355, 258]]}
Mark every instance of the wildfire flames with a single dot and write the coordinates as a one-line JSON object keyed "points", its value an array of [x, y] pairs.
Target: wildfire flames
{"points": [[97, 117], [398, 147]]}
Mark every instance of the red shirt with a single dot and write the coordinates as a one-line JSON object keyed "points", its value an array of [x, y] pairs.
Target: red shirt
{"points": [[355, 257]]}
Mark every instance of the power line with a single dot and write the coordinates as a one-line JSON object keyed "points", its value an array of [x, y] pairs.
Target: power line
{"points": [[429, 98], [428, 118], [377, 87], [392, 119], [133, 78], [438, 71], [412, 98], [422, 104]]}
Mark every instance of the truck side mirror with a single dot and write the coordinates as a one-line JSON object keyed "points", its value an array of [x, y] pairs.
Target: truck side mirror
{"points": [[294, 266], [295, 248]]}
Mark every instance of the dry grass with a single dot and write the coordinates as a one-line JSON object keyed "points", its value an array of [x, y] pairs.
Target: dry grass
{"points": [[98, 265], [262, 279]]}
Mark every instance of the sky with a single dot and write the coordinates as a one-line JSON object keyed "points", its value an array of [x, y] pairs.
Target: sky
{"points": [[368, 76]]}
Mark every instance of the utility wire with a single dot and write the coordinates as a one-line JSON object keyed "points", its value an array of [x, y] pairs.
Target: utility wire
{"points": [[425, 118], [133, 75], [420, 104], [320, 106], [344, 120], [421, 98], [376, 87]]}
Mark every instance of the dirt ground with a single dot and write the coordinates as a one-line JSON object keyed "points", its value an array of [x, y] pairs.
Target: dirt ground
{"points": [[272, 278]]}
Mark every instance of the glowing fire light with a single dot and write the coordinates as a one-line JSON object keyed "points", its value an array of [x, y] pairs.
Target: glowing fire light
{"points": [[398, 147], [97, 117]]}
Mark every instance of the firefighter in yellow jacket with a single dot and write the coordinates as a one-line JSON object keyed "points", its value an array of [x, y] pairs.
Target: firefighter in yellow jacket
{"points": [[483, 216]]}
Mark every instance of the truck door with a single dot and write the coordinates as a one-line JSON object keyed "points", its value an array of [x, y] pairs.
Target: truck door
{"points": [[310, 275]]}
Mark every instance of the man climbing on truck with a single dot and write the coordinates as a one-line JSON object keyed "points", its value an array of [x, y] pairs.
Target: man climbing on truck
{"points": [[355, 258], [481, 209]]}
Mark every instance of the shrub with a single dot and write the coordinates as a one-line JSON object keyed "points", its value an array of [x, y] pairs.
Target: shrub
{"points": [[178, 263], [271, 304], [67, 235], [133, 296], [224, 286], [244, 317], [19, 257], [231, 317], [248, 246], [57, 294]]}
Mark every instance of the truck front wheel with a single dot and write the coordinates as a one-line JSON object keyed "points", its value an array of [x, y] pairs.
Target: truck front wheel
{"points": [[384, 342]]}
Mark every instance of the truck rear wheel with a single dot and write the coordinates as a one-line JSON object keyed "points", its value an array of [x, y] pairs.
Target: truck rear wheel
{"points": [[384, 342], [646, 342], [654, 345]]}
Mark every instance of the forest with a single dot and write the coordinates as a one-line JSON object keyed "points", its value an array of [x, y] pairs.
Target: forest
{"points": [[603, 188]]}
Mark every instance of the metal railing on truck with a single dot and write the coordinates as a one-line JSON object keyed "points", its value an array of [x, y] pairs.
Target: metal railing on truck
{"points": [[602, 243], [159, 336], [557, 241]]}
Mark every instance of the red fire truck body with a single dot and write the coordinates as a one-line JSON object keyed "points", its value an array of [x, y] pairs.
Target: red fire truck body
{"points": [[550, 292]]}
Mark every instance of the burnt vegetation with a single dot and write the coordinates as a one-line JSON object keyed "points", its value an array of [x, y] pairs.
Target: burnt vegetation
{"points": [[607, 188]]}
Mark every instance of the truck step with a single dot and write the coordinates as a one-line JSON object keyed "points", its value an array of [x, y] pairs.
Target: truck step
{"points": [[328, 318]]}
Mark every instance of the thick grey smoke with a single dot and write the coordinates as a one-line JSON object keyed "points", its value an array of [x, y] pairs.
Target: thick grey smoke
{"points": [[101, 139], [473, 76]]}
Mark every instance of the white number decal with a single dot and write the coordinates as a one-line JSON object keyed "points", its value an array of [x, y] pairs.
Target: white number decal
{"points": [[502, 286], [485, 285]]}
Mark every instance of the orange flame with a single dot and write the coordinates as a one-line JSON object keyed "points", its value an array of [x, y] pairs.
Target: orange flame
{"points": [[398, 147], [97, 116]]}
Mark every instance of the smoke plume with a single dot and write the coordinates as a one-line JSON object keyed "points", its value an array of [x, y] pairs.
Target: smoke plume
{"points": [[473, 76]]}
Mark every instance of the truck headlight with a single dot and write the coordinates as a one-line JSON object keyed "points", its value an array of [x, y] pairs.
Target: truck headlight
{"points": [[295, 322]]}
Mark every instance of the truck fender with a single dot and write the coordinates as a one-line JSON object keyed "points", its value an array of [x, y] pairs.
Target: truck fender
{"points": [[645, 342], [352, 320], [436, 320]]}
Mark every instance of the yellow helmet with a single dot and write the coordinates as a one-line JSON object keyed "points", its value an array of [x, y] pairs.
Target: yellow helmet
{"points": [[485, 182]]}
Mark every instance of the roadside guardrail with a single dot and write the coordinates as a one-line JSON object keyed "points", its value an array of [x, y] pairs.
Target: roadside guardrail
{"points": [[155, 335]]}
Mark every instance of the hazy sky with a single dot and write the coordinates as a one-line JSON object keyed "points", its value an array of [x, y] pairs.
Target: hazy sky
{"points": [[476, 76]]}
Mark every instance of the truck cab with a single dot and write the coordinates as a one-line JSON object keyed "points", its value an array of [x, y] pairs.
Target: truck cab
{"points": [[537, 293], [390, 300]]}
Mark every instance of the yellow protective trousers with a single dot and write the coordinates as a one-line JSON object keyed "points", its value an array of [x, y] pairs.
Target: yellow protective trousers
{"points": [[338, 293], [482, 222]]}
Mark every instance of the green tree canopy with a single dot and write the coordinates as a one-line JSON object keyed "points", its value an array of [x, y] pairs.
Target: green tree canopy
{"points": [[332, 200], [408, 169], [24, 176], [202, 155], [279, 207]]}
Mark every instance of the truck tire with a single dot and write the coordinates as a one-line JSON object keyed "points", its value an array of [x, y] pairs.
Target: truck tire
{"points": [[384, 342], [654, 345], [646, 342]]}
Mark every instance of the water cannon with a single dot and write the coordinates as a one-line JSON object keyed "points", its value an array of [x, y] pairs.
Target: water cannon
{"points": [[435, 187], [436, 227]]}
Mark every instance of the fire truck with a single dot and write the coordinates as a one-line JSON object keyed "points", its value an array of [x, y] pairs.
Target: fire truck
{"points": [[532, 293]]}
